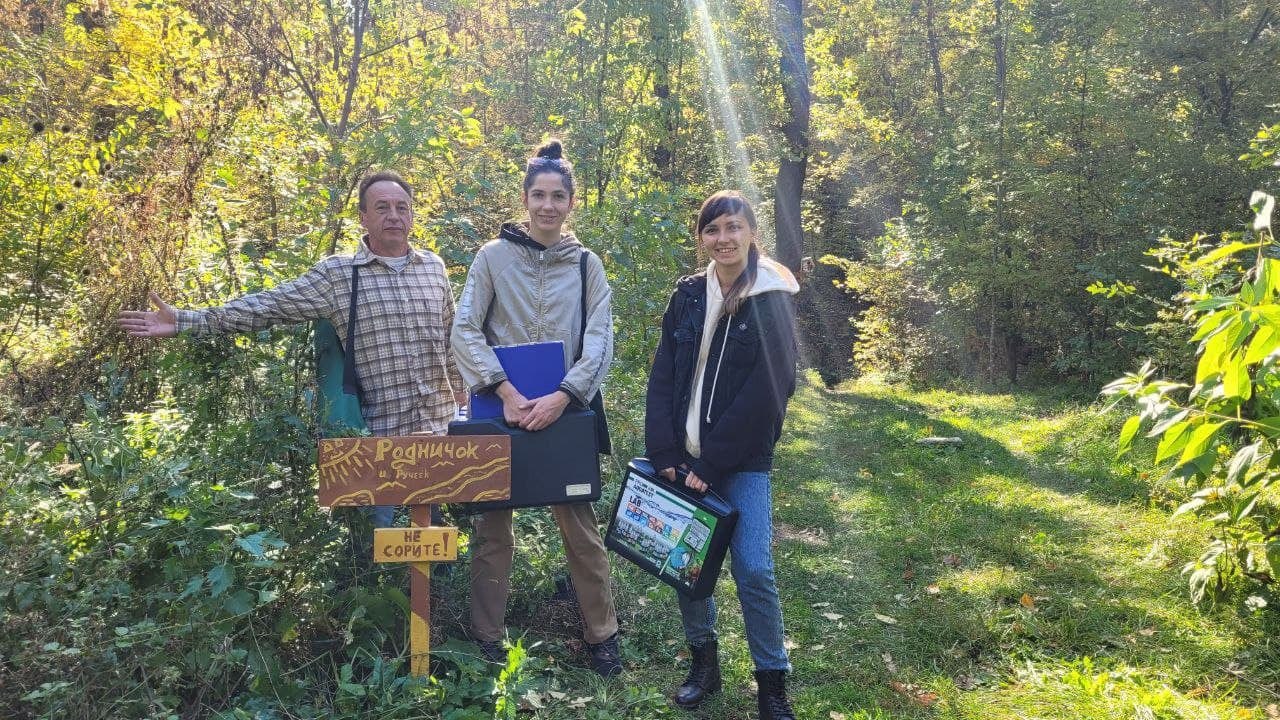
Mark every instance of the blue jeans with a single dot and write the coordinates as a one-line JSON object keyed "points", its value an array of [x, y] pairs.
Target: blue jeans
{"points": [[383, 516], [751, 562]]}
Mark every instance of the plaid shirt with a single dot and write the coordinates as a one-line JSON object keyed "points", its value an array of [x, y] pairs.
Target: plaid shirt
{"points": [[402, 332]]}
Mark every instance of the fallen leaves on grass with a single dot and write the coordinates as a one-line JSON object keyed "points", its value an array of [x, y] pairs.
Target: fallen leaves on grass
{"points": [[1027, 601], [836, 715], [1273, 712], [832, 616], [933, 589], [919, 696], [814, 537], [579, 703], [889, 664], [531, 700], [885, 619], [952, 560], [966, 682]]}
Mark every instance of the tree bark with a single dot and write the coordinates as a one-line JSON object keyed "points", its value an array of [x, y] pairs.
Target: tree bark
{"points": [[1002, 249], [602, 114], [935, 56], [661, 23], [341, 181], [795, 155]]}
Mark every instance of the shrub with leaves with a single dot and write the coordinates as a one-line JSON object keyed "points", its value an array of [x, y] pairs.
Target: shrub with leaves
{"points": [[1221, 433]]}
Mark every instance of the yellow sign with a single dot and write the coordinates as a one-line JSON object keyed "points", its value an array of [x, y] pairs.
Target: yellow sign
{"points": [[419, 544]]}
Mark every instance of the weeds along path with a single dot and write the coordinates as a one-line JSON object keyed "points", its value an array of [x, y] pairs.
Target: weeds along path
{"points": [[1021, 574]]}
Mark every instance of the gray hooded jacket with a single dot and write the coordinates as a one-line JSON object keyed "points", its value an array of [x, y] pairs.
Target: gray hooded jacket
{"points": [[518, 292]]}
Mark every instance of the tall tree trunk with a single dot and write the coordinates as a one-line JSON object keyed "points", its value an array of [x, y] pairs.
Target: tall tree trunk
{"points": [[661, 23], [602, 114], [795, 156], [1002, 248], [935, 55], [342, 180], [820, 347]]}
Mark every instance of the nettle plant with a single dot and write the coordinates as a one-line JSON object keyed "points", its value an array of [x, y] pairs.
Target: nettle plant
{"points": [[1221, 435]]}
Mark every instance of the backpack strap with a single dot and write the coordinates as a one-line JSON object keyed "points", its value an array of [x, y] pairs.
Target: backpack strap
{"points": [[350, 383], [582, 274]]}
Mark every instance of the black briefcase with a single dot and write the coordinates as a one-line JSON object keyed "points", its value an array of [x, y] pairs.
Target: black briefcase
{"points": [[673, 533], [556, 465]]}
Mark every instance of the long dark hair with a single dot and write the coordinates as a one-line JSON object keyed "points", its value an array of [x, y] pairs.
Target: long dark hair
{"points": [[731, 202], [549, 158]]}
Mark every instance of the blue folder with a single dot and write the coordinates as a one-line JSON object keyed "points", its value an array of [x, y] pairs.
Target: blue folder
{"points": [[536, 369]]}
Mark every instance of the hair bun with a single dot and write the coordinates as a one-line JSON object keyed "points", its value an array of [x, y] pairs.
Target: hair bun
{"points": [[552, 149]]}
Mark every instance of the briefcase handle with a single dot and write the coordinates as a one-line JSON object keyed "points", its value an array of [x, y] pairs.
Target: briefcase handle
{"points": [[681, 474]]}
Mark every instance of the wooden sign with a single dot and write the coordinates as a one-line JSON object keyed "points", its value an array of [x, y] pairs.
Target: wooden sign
{"points": [[414, 470], [415, 544], [417, 471]]}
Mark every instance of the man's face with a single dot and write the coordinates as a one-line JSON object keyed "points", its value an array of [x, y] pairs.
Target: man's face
{"points": [[387, 218]]}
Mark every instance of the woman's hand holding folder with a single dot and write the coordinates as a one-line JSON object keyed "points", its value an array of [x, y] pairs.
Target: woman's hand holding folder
{"points": [[514, 405], [532, 415], [545, 410]]}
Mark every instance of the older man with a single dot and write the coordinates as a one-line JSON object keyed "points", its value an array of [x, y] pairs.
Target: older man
{"points": [[404, 313]]}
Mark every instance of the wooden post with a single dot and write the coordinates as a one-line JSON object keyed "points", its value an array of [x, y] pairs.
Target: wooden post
{"points": [[420, 601], [417, 471]]}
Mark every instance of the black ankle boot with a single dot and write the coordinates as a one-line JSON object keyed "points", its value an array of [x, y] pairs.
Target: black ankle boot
{"points": [[704, 676], [772, 697]]}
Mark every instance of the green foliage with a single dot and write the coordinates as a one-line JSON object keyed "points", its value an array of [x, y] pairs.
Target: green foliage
{"points": [[948, 540], [163, 555], [1024, 182], [1219, 431], [898, 335], [174, 563]]}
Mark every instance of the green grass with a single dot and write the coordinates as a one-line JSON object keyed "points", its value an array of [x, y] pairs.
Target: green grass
{"points": [[1024, 574]]}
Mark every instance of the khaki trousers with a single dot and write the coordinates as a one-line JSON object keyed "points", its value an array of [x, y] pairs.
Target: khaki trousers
{"points": [[494, 549]]}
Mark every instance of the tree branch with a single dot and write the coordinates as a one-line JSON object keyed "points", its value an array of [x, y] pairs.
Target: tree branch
{"points": [[361, 9]]}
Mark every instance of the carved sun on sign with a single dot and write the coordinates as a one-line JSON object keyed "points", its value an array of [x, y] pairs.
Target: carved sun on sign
{"points": [[345, 465]]}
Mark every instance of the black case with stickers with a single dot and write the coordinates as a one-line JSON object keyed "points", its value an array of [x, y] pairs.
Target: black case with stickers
{"points": [[556, 465], [670, 531]]}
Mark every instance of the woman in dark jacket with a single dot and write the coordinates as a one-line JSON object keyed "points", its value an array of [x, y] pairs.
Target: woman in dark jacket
{"points": [[718, 391]]}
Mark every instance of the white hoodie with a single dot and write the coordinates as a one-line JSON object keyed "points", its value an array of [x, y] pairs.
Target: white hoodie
{"points": [[770, 276]]}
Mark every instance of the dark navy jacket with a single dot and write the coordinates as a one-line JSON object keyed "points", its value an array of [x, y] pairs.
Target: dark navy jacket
{"points": [[756, 379]]}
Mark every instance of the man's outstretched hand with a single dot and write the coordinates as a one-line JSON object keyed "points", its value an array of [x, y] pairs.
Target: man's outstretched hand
{"points": [[161, 322]]}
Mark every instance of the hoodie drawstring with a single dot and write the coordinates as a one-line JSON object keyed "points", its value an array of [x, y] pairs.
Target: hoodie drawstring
{"points": [[716, 378]]}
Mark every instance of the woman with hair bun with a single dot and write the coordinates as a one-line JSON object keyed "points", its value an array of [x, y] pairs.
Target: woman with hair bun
{"points": [[526, 286], [724, 371]]}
